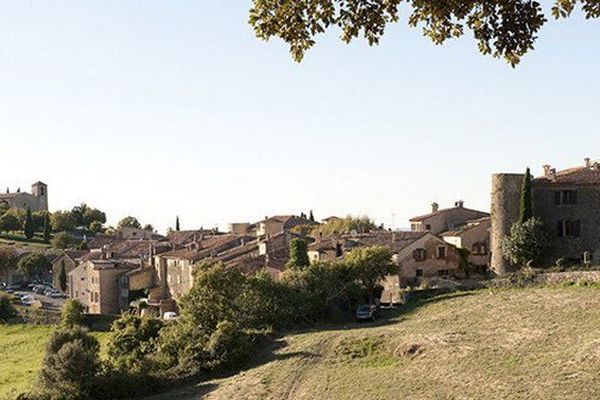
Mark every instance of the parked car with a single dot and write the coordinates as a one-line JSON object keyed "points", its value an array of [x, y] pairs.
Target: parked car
{"points": [[170, 315], [367, 313], [27, 300]]}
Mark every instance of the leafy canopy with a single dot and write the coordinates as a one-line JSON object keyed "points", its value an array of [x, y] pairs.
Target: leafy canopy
{"points": [[503, 28]]}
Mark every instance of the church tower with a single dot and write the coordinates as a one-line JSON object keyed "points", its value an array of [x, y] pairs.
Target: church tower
{"points": [[40, 190]]}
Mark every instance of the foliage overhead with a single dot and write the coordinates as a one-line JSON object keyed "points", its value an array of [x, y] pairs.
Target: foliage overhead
{"points": [[504, 29]]}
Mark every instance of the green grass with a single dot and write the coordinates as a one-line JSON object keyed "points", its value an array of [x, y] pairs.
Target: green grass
{"points": [[507, 344], [21, 353], [20, 240]]}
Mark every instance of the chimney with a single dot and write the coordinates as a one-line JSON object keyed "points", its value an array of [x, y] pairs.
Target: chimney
{"points": [[595, 166], [547, 169], [460, 204], [588, 162], [435, 207]]}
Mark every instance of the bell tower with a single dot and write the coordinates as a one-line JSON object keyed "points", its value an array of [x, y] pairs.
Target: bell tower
{"points": [[40, 190]]}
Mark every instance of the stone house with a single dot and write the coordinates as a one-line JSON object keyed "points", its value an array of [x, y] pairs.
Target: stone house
{"points": [[37, 200], [568, 203], [135, 233], [475, 237], [425, 257], [101, 285], [67, 261], [280, 223], [438, 221]]}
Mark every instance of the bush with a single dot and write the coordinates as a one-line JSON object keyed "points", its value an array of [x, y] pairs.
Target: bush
{"points": [[228, 345], [72, 313], [70, 366], [64, 240], [7, 310], [132, 342], [526, 243]]}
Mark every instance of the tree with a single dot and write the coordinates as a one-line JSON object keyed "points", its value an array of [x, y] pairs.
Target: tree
{"points": [[132, 341], [62, 221], [149, 228], [9, 223], [29, 228], [7, 310], [177, 228], [92, 215], [298, 254], [129, 222], [527, 242], [62, 279], [346, 225], [96, 227], [34, 265], [39, 218], [311, 217], [8, 262], [64, 240], [526, 208], [72, 313], [47, 228], [370, 265], [71, 365], [505, 29]]}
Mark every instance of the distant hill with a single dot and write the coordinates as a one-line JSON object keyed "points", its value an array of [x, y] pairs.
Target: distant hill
{"points": [[517, 344]]}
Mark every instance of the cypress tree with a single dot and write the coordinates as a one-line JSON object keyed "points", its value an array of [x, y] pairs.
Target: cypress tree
{"points": [[311, 216], [298, 255], [526, 208], [177, 224], [47, 228], [29, 228], [62, 279]]}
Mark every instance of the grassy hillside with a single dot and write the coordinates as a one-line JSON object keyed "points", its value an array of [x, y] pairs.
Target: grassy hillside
{"points": [[21, 353], [514, 344], [20, 240]]}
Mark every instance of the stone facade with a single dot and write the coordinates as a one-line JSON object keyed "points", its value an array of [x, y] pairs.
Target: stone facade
{"points": [[439, 221], [37, 200], [568, 202]]}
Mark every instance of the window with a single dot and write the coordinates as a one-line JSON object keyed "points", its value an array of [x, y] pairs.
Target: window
{"points": [[96, 297], [441, 252], [420, 254], [563, 197], [569, 229], [479, 249], [419, 272], [443, 272], [427, 227]]}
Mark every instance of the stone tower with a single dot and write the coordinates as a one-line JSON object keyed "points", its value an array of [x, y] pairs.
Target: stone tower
{"points": [[506, 194], [40, 190]]}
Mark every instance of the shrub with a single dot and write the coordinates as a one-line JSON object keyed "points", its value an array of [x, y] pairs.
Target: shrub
{"points": [[72, 313], [64, 240], [228, 345], [132, 342], [70, 366], [7, 311], [526, 243]]}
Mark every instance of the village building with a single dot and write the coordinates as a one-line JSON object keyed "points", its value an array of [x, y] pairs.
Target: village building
{"points": [[101, 285], [37, 200], [136, 233], [474, 236], [278, 224], [441, 220], [566, 201], [65, 261]]}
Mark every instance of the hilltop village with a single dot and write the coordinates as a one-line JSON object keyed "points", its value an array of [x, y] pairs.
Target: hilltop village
{"points": [[111, 269]]}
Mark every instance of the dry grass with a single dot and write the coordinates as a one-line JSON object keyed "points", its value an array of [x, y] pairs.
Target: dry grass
{"points": [[512, 344]]}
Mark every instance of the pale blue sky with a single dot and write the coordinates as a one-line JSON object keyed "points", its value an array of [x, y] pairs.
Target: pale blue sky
{"points": [[159, 108]]}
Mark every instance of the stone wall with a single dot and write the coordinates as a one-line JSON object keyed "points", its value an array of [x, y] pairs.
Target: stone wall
{"points": [[587, 210]]}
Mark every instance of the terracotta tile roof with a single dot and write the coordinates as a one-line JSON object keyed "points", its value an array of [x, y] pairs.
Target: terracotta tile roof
{"points": [[572, 176], [421, 218]]}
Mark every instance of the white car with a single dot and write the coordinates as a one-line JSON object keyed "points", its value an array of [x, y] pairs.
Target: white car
{"points": [[170, 315]]}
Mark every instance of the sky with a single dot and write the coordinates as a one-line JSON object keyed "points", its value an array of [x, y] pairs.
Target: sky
{"points": [[163, 108]]}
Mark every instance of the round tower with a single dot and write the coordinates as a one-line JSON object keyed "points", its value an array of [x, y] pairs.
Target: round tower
{"points": [[506, 194]]}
